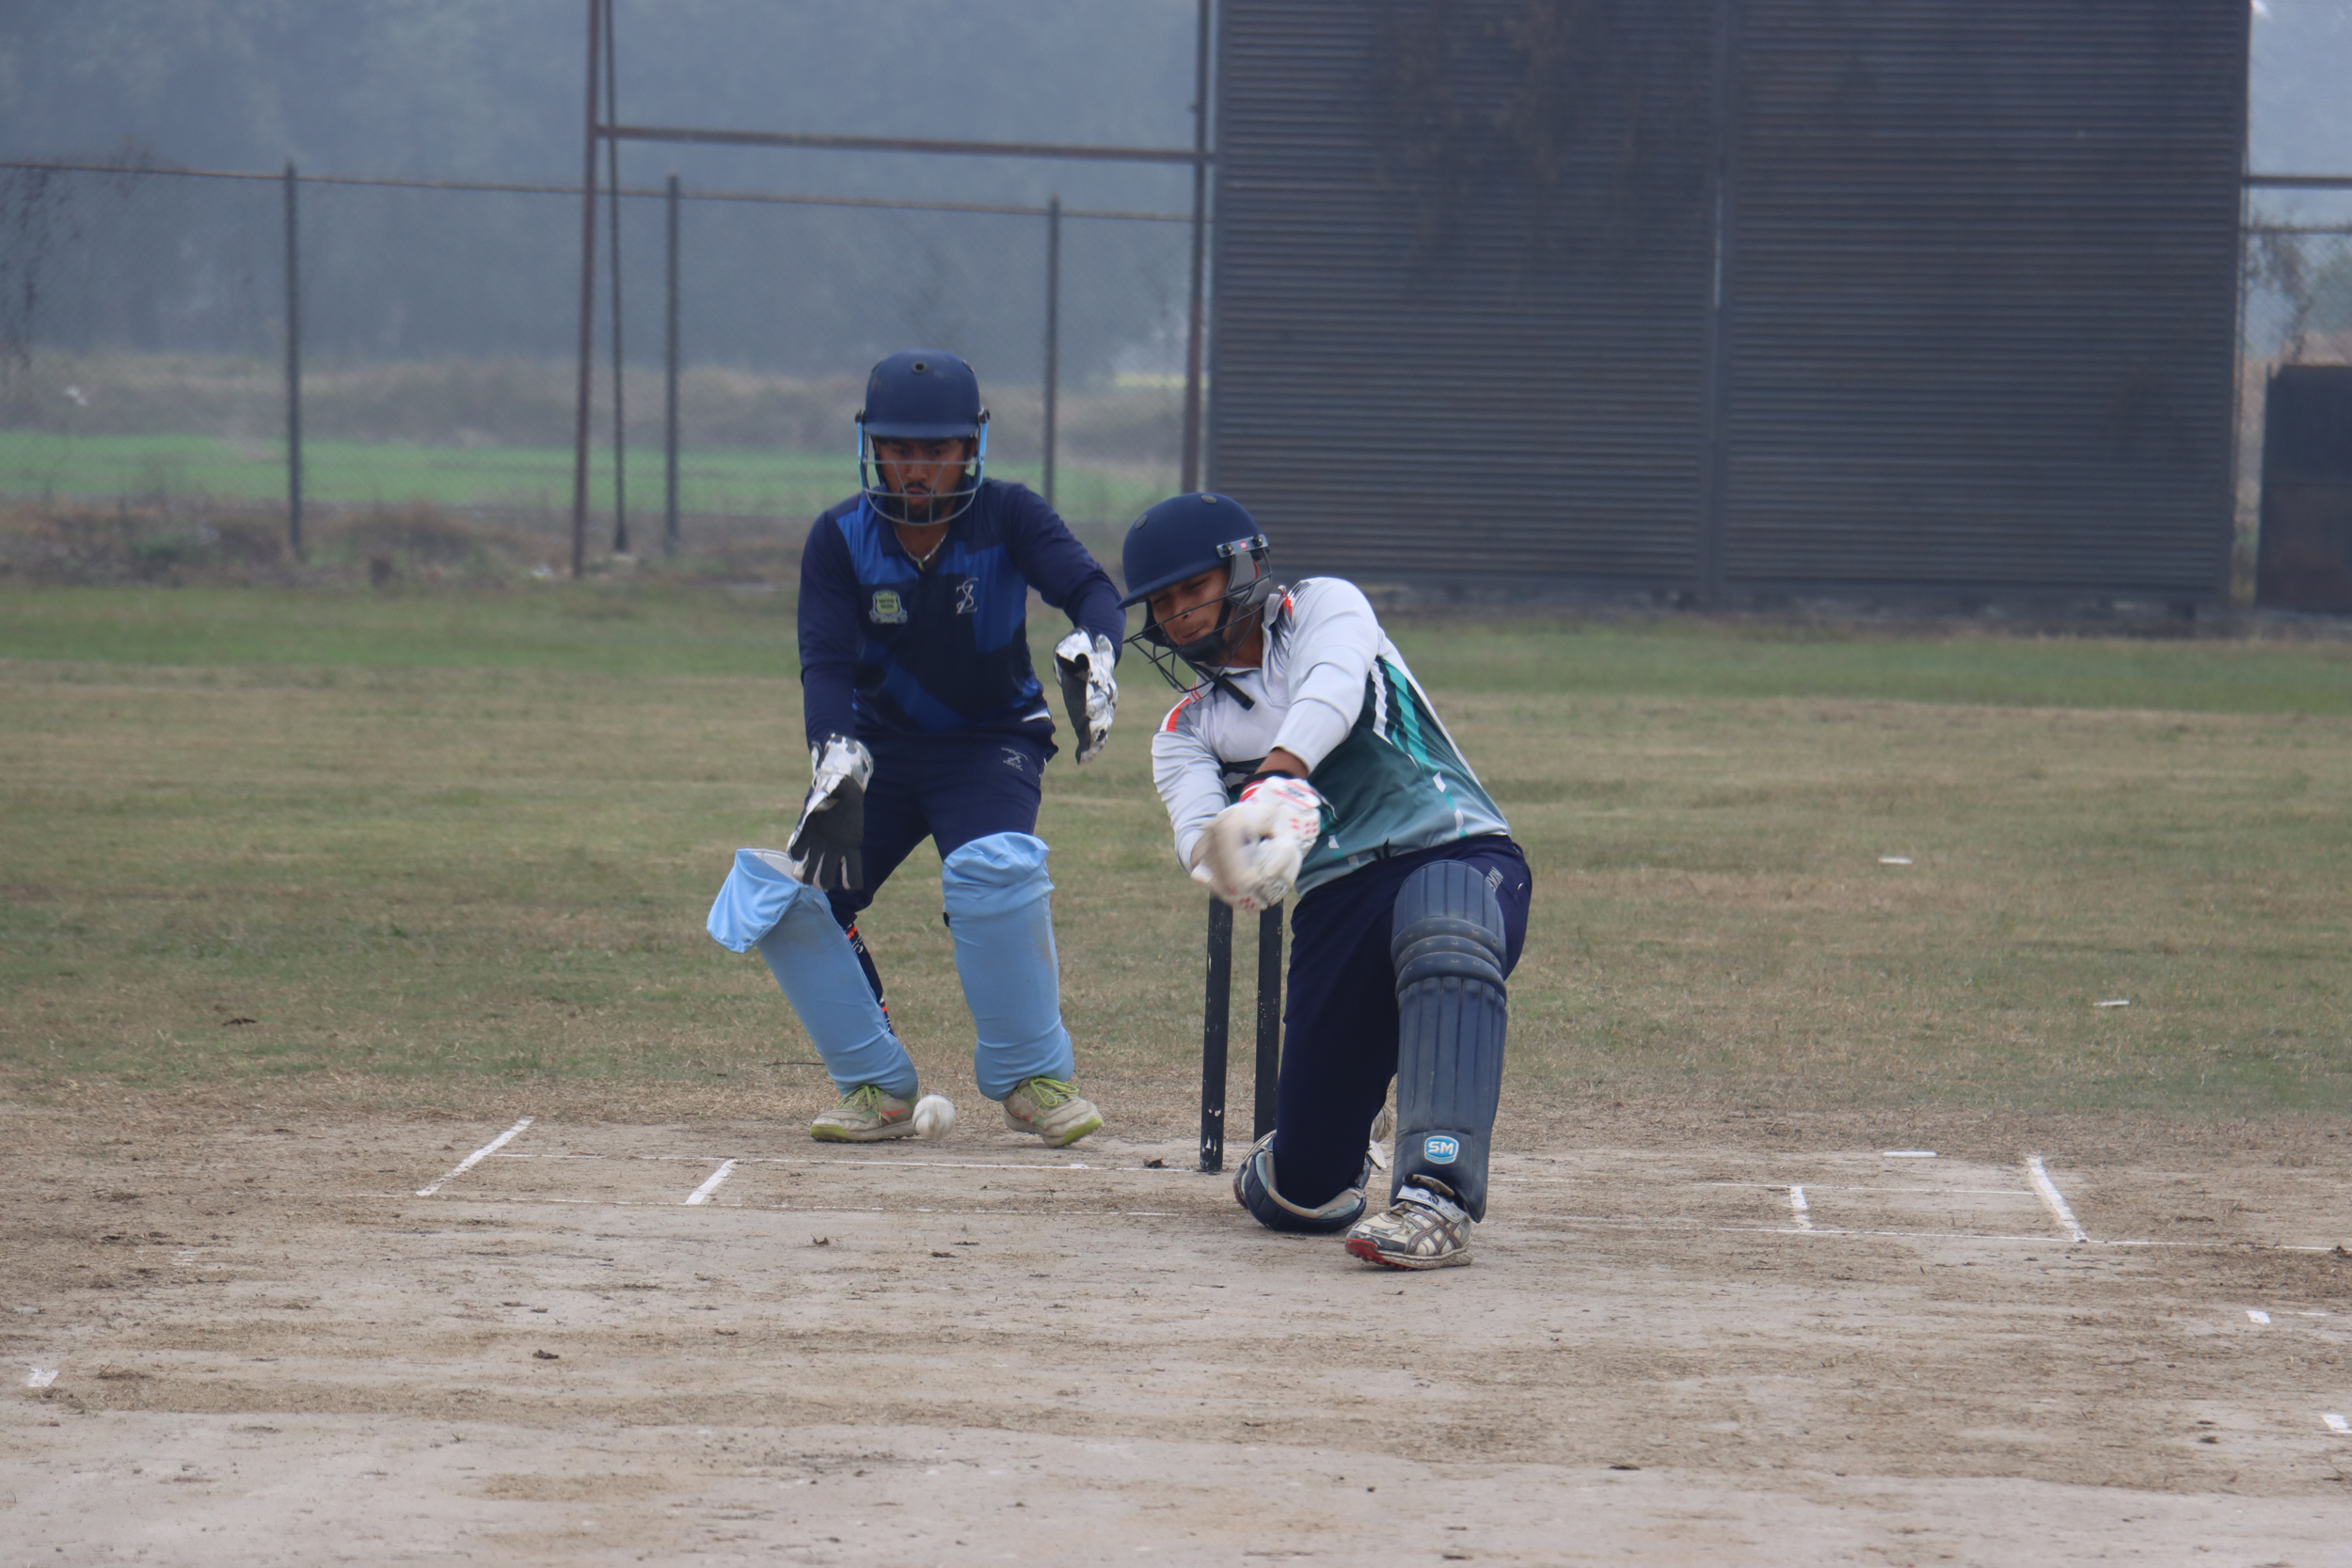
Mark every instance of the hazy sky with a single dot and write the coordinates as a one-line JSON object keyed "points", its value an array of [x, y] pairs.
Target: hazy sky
{"points": [[491, 88], [2299, 119]]}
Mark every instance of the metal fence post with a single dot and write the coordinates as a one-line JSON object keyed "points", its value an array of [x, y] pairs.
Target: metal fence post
{"points": [[293, 369], [612, 177], [669, 393], [1191, 476], [1053, 332], [587, 300]]}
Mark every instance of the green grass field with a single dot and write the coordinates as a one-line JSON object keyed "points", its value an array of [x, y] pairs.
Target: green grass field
{"points": [[790, 485], [435, 844]]}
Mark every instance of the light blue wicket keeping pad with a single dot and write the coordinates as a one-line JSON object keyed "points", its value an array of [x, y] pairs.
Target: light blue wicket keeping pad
{"points": [[792, 926], [1000, 912]]}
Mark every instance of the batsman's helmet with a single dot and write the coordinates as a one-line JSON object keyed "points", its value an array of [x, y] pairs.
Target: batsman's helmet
{"points": [[1181, 538], [922, 395]]}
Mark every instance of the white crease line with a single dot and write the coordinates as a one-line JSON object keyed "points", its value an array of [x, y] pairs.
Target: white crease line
{"points": [[1796, 1205], [1618, 1222], [2254, 1314], [475, 1157], [1912, 1235], [876, 1164], [2336, 1422], [2052, 1199], [702, 1194], [1913, 1190], [41, 1377], [814, 1208], [1908, 1154]]}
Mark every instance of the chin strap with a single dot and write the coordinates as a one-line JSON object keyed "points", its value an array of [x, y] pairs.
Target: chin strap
{"points": [[1201, 651], [1217, 679]]}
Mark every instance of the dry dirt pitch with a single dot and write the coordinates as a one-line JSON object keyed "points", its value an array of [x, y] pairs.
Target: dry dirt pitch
{"points": [[716, 1343]]}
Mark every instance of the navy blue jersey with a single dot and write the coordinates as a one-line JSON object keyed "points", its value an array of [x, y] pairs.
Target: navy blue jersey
{"points": [[886, 646]]}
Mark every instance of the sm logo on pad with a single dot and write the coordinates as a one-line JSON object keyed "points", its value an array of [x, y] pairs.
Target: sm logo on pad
{"points": [[1441, 1148]]}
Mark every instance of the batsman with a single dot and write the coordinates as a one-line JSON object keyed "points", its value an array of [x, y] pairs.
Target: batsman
{"points": [[1305, 755], [926, 719]]}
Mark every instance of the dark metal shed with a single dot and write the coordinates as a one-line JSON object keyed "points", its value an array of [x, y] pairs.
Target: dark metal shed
{"points": [[1462, 256], [1972, 332]]}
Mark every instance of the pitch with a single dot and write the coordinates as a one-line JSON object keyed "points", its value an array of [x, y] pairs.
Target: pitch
{"points": [[604, 1341]]}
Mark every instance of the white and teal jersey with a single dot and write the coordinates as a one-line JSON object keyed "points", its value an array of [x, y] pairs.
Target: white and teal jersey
{"points": [[1334, 692]]}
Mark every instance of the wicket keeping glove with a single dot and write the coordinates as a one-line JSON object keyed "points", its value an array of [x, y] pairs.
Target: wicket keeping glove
{"points": [[825, 849], [1252, 852], [1084, 664]]}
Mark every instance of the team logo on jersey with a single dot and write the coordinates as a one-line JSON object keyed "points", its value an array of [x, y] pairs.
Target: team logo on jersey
{"points": [[889, 610], [1439, 1149], [967, 602]]}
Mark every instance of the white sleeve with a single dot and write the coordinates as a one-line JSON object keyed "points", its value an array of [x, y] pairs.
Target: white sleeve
{"points": [[1190, 781], [1334, 637]]}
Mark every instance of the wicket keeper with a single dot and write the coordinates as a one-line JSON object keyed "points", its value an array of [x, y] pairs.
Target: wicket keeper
{"points": [[1304, 753], [926, 719]]}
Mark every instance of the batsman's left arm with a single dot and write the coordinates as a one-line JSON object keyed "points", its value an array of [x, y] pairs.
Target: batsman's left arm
{"points": [[1191, 784]]}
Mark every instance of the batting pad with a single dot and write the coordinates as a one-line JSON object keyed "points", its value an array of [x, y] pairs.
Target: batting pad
{"points": [[1000, 912], [806, 950], [1449, 949]]}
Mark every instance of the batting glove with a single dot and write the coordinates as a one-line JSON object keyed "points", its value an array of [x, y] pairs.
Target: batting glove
{"points": [[1253, 848], [1084, 665], [825, 847]]}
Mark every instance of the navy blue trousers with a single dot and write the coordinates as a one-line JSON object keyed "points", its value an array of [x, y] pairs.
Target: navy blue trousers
{"points": [[949, 788], [1338, 1015]]}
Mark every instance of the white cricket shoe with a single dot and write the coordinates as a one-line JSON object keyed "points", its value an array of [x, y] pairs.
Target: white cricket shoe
{"points": [[1052, 1110], [1423, 1230], [867, 1113]]}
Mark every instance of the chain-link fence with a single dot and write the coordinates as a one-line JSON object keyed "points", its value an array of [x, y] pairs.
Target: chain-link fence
{"points": [[2295, 281], [144, 317]]}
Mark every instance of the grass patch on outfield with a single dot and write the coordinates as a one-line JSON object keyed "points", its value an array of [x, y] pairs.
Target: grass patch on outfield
{"points": [[615, 629], [748, 481], [435, 845], [667, 628]]}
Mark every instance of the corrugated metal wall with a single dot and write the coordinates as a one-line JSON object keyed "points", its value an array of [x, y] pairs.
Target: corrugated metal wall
{"points": [[1982, 294], [1463, 251], [1979, 311]]}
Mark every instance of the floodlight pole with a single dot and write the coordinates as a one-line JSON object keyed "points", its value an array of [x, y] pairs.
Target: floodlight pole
{"points": [[587, 299], [1191, 477]]}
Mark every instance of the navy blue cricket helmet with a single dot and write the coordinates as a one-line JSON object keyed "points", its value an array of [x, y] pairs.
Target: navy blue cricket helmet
{"points": [[922, 394], [1181, 538]]}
